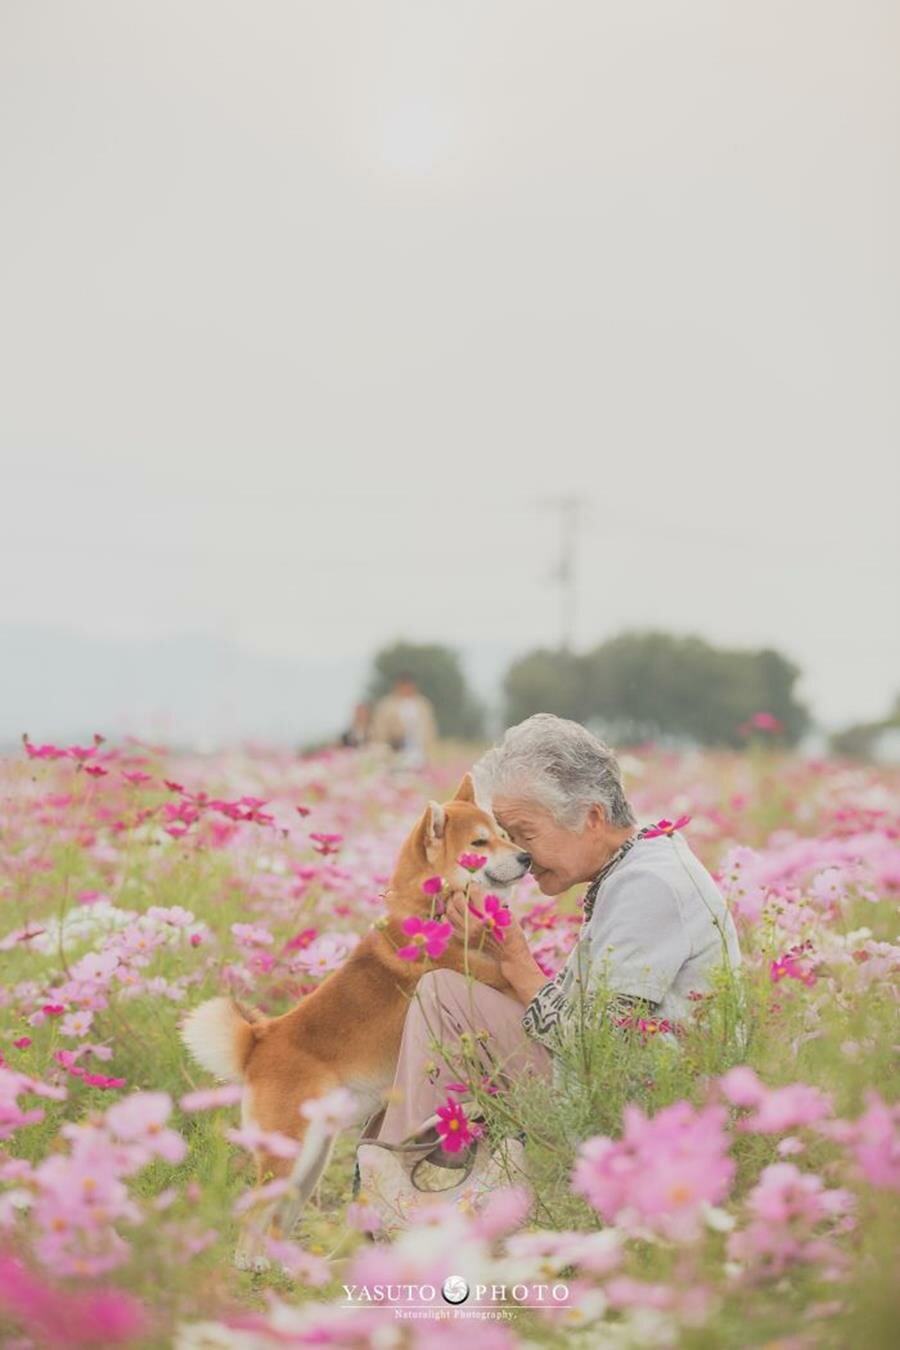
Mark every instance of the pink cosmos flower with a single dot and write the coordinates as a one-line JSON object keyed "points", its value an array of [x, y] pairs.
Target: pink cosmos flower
{"points": [[42, 751], [626, 1292], [650, 1026], [101, 1081], [429, 938], [326, 953], [599, 1253], [454, 1127], [788, 1208], [662, 1173], [742, 1087], [264, 1141], [81, 752], [495, 917], [794, 965], [363, 1217], [765, 721], [76, 1023], [333, 1110], [26, 934], [271, 1190], [140, 1119], [251, 935], [95, 967], [433, 885], [90, 896], [60, 1317], [12, 1086], [774, 1110], [175, 916], [877, 1143], [208, 1099], [874, 1140], [302, 1266], [472, 862], [326, 844], [487, 1085], [667, 827], [505, 1209], [784, 968], [300, 940]]}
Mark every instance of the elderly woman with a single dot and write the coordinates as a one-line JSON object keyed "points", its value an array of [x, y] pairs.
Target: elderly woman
{"points": [[654, 929]]}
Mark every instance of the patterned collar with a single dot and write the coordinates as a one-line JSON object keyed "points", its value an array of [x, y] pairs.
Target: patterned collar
{"points": [[591, 893]]}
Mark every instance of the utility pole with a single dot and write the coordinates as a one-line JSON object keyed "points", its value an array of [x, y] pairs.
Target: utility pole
{"points": [[570, 513]]}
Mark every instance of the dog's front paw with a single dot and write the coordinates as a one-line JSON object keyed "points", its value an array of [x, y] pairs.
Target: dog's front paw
{"points": [[249, 1254]]}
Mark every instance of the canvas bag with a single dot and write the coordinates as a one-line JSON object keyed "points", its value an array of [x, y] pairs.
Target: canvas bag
{"points": [[393, 1178]]}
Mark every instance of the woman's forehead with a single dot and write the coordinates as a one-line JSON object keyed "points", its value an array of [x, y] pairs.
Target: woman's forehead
{"points": [[513, 812]]}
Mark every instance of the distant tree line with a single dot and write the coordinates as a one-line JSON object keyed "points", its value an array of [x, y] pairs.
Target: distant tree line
{"points": [[861, 740], [644, 686], [637, 687]]}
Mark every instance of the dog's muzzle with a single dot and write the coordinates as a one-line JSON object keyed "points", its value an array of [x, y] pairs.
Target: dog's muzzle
{"points": [[518, 866]]}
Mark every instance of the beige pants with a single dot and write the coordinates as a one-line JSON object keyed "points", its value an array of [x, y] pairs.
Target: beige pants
{"points": [[445, 1005]]}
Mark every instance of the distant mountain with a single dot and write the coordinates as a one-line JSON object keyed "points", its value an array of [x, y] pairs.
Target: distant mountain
{"points": [[190, 689]]}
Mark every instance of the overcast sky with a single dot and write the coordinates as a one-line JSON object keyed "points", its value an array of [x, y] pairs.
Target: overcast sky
{"points": [[310, 311]]}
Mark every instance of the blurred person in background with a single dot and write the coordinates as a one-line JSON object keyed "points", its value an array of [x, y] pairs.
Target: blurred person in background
{"points": [[404, 720], [358, 731]]}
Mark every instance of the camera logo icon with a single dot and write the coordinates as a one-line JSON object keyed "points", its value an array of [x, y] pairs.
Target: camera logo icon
{"points": [[455, 1289]]}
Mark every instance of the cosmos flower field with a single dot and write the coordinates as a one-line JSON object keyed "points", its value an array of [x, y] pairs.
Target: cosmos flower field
{"points": [[734, 1191]]}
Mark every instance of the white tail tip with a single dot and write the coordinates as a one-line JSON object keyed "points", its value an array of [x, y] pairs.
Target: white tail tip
{"points": [[215, 1033]]}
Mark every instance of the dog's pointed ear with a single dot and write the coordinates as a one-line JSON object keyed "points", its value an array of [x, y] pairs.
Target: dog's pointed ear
{"points": [[432, 829], [466, 790]]}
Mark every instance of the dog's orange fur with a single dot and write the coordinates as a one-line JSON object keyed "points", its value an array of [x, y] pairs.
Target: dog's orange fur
{"points": [[347, 1032]]}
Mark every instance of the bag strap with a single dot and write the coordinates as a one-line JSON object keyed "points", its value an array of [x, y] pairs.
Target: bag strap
{"points": [[455, 1184], [411, 1144]]}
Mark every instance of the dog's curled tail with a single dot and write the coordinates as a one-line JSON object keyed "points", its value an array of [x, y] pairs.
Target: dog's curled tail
{"points": [[220, 1036]]}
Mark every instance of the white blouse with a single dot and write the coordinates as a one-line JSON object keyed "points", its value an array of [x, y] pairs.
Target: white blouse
{"points": [[655, 928]]}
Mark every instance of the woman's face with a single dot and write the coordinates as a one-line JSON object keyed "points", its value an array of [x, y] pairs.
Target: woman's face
{"points": [[560, 857]]}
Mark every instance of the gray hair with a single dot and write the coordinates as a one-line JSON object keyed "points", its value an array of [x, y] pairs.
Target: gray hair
{"points": [[558, 764]]}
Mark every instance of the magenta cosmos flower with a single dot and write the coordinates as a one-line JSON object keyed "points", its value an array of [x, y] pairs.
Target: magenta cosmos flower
{"points": [[667, 827], [472, 862], [496, 916], [454, 1127], [326, 844], [429, 938]]}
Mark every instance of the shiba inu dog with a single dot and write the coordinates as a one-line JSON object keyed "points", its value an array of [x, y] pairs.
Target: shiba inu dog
{"points": [[347, 1032]]}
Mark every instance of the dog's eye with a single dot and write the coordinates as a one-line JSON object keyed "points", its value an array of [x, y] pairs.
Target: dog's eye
{"points": [[480, 843]]}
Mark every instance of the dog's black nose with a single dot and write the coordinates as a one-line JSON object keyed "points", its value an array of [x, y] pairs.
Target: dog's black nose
{"points": [[524, 859]]}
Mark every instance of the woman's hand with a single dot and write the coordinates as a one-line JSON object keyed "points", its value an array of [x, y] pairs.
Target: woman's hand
{"points": [[498, 933]]}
